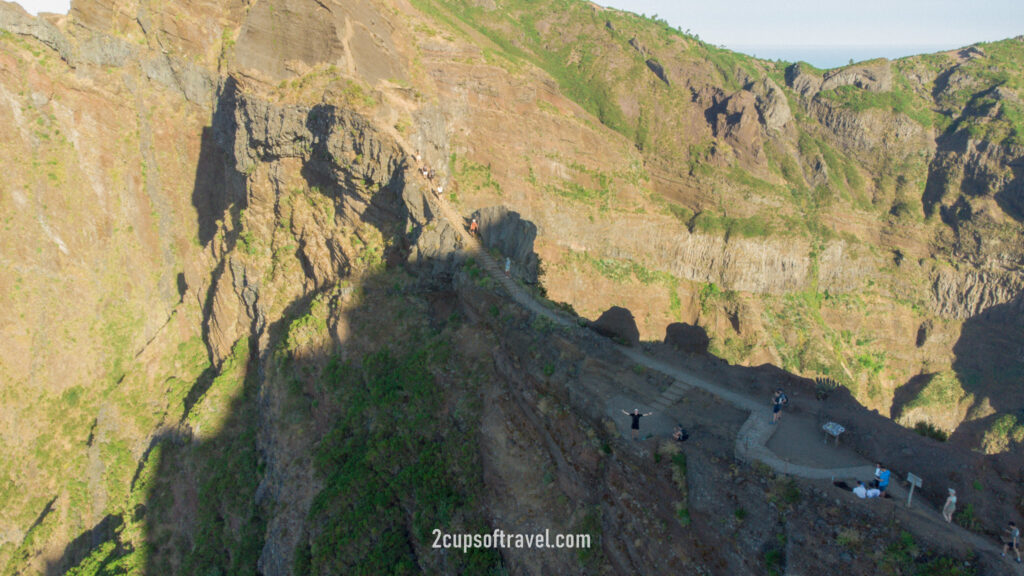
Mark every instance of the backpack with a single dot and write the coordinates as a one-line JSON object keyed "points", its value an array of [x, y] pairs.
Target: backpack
{"points": [[783, 400]]}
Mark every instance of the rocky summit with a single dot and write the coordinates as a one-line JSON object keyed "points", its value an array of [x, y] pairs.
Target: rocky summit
{"points": [[323, 287]]}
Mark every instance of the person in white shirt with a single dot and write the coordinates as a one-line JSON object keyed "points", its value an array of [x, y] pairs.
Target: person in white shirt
{"points": [[950, 506], [860, 490]]}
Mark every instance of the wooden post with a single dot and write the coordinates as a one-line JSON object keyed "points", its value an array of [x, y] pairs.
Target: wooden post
{"points": [[914, 480]]}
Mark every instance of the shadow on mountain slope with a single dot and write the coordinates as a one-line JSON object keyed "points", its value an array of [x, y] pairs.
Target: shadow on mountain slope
{"points": [[989, 364]]}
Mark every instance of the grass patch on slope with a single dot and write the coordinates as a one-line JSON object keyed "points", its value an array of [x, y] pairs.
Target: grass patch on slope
{"points": [[392, 471]]}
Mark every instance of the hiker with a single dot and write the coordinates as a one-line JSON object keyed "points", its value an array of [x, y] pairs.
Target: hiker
{"points": [[474, 228], [779, 400], [430, 175], [861, 491], [882, 475], [636, 416], [1011, 540], [950, 506], [680, 434], [864, 492], [440, 190], [508, 266]]}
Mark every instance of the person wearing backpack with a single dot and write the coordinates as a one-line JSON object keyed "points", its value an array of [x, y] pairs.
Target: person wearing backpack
{"points": [[778, 401]]}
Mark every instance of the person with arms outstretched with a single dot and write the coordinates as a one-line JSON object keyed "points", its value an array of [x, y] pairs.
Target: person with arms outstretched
{"points": [[636, 416]]}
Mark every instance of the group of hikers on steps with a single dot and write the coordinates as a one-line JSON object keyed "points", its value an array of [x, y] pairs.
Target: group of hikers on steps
{"points": [[474, 227]]}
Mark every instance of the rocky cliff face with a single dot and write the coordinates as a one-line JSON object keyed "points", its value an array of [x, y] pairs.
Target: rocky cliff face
{"points": [[212, 207]]}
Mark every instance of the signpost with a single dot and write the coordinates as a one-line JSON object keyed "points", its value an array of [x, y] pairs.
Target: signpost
{"points": [[914, 480]]}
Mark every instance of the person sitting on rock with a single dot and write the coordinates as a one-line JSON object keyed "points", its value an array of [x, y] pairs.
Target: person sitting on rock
{"points": [[861, 491], [680, 434]]}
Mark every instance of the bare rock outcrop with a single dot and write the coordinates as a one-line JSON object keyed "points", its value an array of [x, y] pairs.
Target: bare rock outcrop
{"points": [[736, 118], [875, 76], [772, 105], [507, 232], [874, 130], [963, 294], [14, 19], [285, 38]]}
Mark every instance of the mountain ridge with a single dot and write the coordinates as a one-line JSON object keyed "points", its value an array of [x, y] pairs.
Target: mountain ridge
{"points": [[205, 190]]}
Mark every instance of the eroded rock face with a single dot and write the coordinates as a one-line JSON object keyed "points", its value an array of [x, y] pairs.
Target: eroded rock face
{"points": [[505, 231], [871, 77], [965, 294], [737, 120], [803, 82], [873, 131], [773, 105], [283, 38]]}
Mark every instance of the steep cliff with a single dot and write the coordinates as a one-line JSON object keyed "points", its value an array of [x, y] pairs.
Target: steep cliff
{"points": [[217, 253]]}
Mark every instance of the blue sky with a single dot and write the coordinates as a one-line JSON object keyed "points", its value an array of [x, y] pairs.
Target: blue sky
{"points": [[833, 32], [824, 32]]}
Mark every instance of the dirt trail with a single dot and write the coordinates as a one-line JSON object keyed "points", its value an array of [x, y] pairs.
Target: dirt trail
{"points": [[753, 437]]}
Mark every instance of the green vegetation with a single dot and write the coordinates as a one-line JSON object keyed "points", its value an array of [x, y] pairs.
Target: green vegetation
{"points": [[679, 477], [388, 481], [904, 556], [966, 517], [473, 176], [591, 557], [996, 120], [229, 531], [598, 195], [622, 271], [708, 222], [929, 430], [899, 101], [729, 65], [784, 492], [682, 213], [943, 391], [576, 65], [1005, 432]]}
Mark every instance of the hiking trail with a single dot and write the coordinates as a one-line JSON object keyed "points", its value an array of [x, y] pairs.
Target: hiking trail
{"points": [[752, 439]]}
